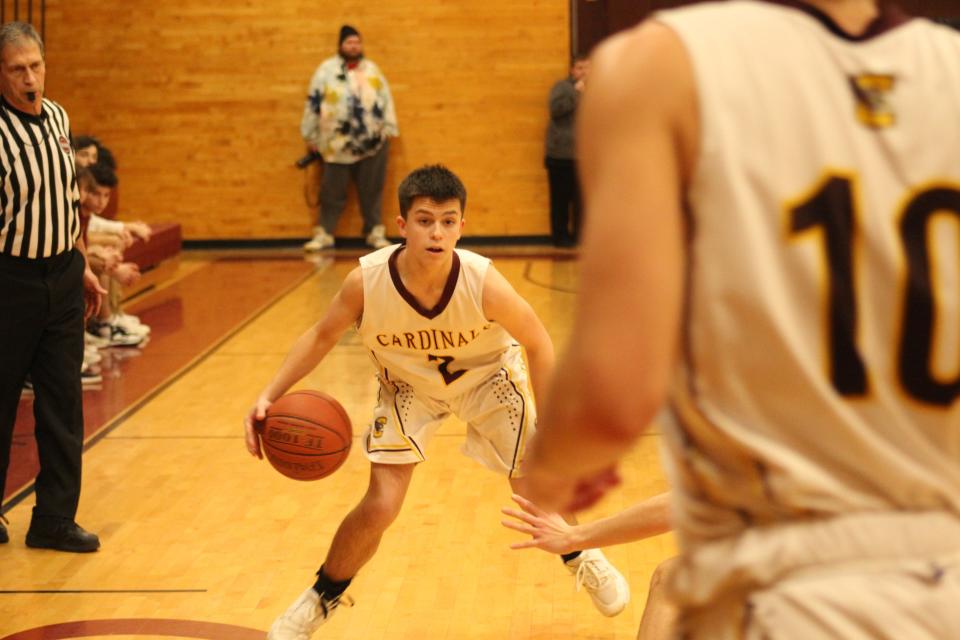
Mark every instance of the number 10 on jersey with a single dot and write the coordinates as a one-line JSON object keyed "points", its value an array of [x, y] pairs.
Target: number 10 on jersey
{"points": [[831, 209]]}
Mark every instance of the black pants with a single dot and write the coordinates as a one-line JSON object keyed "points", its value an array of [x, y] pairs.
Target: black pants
{"points": [[564, 201], [41, 333]]}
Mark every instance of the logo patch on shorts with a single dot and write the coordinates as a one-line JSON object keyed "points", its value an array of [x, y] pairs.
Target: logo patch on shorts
{"points": [[378, 426]]}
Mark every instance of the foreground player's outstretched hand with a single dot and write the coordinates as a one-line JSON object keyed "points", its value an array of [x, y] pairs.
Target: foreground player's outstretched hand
{"points": [[257, 414], [547, 531]]}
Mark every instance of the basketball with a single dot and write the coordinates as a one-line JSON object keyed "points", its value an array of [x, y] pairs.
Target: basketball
{"points": [[306, 435]]}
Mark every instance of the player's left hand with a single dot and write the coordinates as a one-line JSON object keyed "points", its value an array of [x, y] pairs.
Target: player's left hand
{"points": [[256, 415], [92, 294]]}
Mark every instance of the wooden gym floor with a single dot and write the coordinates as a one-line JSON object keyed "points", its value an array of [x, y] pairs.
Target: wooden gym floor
{"points": [[202, 541]]}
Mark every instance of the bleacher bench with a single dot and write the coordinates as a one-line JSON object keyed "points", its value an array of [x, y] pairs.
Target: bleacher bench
{"points": [[158, 259]]}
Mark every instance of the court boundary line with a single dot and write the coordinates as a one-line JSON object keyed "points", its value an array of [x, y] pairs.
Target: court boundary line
{"points": [[116, 421], [526, 276], [11, 592]]}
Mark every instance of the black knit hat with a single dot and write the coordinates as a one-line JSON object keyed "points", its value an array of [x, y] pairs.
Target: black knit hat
{"points": [[345, 32]]}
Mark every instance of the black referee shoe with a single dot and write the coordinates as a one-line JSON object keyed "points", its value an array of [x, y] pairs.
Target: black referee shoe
{"points": [[66, 535]]}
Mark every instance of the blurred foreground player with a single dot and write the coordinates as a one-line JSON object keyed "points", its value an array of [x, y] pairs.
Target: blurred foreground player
{"points": [[779, 185]]}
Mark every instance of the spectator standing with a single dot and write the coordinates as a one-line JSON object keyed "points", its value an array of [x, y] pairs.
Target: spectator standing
{"points": [[45, 285], [348, 119], [560, 156]]}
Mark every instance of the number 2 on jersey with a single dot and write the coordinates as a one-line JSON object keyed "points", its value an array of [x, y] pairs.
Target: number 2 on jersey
{"points": [[832, 208], [444, 367]]}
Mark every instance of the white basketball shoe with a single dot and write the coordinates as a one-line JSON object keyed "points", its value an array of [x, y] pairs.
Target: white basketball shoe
{"points": [[607, 587], [320, 240], [377, 238], [305, 616]]}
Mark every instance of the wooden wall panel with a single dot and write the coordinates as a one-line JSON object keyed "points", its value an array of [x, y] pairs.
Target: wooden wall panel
{"points": [[201, 101]]}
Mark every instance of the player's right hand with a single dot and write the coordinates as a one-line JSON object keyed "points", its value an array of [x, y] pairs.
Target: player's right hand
{"points": [[255, 418], [547, 531]]}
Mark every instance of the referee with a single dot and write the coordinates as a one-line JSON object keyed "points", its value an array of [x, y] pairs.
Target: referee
{"points": [[45, 289]]}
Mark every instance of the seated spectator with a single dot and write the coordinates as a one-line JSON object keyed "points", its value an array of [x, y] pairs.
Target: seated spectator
{"points": [[116, 233], [86, 151], [106, 240]]}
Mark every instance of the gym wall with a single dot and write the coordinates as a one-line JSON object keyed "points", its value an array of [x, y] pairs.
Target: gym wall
{"points": [[201, 102]]}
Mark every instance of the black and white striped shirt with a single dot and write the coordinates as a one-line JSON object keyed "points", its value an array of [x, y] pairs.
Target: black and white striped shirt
{"points": [[39, 200]]}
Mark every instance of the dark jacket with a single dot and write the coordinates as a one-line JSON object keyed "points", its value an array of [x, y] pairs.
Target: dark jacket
{"points": [[563, 107]]}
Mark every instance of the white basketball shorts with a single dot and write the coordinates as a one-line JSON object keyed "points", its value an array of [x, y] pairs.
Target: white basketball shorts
{"points": [[499, 413]]}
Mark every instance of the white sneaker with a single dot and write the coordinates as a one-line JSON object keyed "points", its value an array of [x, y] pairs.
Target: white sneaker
{"points": [[377, 238], [96, 341], [114, 335], [607, 587], [89, 375], [91, 355], [130, 324], [320, 240], [126, 318], [304, 616]]}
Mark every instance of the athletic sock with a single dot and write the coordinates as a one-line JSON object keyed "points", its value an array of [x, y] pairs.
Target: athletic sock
{"points": [[567, 557], [327, 588]]}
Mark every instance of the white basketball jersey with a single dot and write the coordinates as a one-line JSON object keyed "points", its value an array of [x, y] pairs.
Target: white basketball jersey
{"points": [[440, 352], [821, 351]]}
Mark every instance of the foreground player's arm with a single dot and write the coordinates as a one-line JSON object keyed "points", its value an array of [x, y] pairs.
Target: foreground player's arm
{"points": [[504, 305], [309, 349], [550, 532], [636, 136]]}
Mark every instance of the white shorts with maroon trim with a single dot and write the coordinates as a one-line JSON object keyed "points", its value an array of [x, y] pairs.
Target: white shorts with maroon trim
{"points": [[499, 413]]}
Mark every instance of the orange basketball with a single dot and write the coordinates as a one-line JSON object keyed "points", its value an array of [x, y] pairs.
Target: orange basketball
{"points": [[306, 435]]}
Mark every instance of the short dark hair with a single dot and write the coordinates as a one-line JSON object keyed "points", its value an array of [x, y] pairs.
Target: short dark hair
{"points": [[105, 157], [578, 57], [82, 142], [97, 175], [432, 181]]}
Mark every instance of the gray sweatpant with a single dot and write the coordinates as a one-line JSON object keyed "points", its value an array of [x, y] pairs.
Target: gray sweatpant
{"points": [[368, 174]]}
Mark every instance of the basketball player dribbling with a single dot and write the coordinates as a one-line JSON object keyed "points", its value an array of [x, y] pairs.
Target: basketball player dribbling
{"points": [[445, 332], [773, 242]]}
